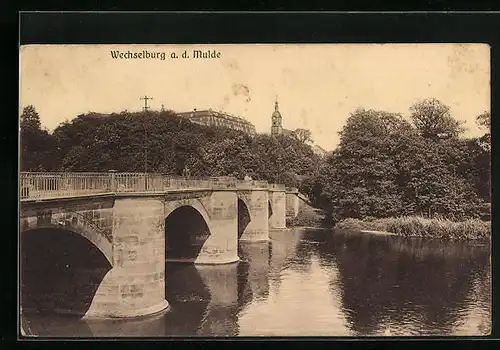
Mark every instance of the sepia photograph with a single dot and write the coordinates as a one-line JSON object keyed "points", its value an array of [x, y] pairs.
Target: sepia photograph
{"points": [[269, 190]]}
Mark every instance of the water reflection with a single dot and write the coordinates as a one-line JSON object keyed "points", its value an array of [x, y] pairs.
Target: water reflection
{"points": [[473, 322], [402, 286], [282, 251], [254, 267], [316, 283], [299, 290], [219, 318], [188, 296]]}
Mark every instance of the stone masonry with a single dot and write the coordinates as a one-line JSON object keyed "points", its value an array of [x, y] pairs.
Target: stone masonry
{"points": [[129, 229]]}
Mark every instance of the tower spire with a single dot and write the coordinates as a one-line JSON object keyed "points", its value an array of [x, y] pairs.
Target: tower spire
{"points": [[276, 126]]}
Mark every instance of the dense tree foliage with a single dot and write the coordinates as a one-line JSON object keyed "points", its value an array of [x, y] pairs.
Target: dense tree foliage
{"points": [[303, 135], [163, 142], [386, 166]]}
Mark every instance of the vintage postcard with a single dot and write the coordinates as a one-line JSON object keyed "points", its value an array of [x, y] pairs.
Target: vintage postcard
{"points": [[255, 190]]}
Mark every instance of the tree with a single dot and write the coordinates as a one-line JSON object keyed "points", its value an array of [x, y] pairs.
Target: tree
{"points": [[289, 179], [484, 122], [303, 135], [39, 150], [436, 182], [30, 120], [481, 158], [384, 167], [361, 176], [433, 120]]}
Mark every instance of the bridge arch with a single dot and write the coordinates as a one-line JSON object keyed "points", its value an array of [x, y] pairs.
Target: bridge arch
{"points": [[187, 228], [76, 224], [61, 267], [195, 203]]}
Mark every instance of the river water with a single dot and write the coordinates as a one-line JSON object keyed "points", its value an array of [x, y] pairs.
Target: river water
{"points": [[315, 283]]}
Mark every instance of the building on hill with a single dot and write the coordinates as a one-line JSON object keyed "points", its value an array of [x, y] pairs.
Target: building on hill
{"points": [[93, 115], [277, 123], [218, 119]]}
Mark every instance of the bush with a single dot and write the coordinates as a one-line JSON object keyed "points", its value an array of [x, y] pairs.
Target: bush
{"points": [[414, 226], [307, 217]]}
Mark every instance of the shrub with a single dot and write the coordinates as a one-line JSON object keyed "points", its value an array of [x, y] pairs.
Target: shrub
{"points": [[414, 226]]}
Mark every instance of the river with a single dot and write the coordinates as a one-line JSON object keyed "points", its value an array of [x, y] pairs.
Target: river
{"points": [[315, 283]]}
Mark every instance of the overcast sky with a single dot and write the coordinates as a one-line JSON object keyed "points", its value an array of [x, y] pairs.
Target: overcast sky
{"points": [[317, 85]]}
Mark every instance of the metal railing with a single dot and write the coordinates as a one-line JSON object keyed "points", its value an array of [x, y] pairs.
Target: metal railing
{"points": [[42, 185]]}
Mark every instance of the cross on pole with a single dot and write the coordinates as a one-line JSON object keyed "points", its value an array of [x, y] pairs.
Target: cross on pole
{"points": [[146, 98], [146, 107]]}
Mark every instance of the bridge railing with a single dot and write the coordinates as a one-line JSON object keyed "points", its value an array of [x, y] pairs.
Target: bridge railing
{"points": [[48, 185]]}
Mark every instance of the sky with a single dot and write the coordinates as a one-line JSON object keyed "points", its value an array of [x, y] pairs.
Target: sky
{"points": [[317, 85]]}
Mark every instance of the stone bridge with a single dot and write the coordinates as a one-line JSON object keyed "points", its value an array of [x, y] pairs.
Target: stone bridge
{"points": [[134, 223]]}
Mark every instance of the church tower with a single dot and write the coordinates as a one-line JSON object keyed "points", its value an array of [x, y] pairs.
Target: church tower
{"points": [[276, 126]]}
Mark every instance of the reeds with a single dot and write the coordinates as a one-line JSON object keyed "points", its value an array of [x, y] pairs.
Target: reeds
{"points": [[415, 226]]}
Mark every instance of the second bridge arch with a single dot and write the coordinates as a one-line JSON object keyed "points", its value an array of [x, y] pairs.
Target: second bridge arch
{"points": [[202, 230]]}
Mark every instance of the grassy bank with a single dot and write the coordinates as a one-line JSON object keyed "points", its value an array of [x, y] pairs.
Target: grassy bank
{"points": [[412, 226]]}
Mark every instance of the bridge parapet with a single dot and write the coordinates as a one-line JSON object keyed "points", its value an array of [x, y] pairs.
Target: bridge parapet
{"points": [[223, 182], [277, 187], [44, 185], [251, 184], [183, 183]]}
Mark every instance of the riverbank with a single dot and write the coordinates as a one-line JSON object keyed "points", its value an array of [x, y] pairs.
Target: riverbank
{"points": [[406, 226], [308, 217], [412, 226]]}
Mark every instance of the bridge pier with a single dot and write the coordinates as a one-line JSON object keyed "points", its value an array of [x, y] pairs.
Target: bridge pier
{"points": [[277, 221], [135, 286], [258, 227], [221, 247], [292, 204]]}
